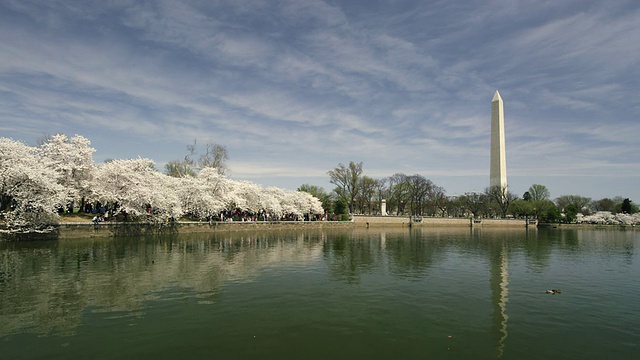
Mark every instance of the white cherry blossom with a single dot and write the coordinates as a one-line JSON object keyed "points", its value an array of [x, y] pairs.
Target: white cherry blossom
{"points": [[29, 194], [36, 182]]}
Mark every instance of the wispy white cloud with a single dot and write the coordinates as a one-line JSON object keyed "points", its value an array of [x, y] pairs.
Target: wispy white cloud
{"points": [[294, 87]]}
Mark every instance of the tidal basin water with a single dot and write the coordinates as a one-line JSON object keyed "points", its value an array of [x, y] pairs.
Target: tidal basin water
{"points": [[325, 294]]}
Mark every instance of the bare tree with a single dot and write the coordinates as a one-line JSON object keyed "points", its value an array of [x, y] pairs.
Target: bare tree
{"points": [[438, 197], [366, 192], [501, 197], [419, 193], [184, 167], [474, 202], [346, 180], [580, 202], [398, 192], [215, 156], [382, 192]]}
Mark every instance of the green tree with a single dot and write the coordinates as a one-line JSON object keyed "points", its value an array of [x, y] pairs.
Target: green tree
{"points": [[319, 193], [539, 192], [521, 208], [580, 202], [538, 195], [570, 213], [548, 211], [341, 208], [605, 204]]}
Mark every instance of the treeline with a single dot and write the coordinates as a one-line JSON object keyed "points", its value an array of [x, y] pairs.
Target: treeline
{"points": [[357, 193], [39, 183]]}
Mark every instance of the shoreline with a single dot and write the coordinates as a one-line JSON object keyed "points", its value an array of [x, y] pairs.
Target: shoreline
{"points": [[69, 230], [120, 229]]}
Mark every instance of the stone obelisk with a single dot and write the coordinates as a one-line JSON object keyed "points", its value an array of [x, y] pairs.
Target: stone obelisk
{"points": [[498, 170]]}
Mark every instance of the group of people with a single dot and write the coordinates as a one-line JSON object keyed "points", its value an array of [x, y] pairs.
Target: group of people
{"points": [[261, 215], [95, 208], [239, 215]]}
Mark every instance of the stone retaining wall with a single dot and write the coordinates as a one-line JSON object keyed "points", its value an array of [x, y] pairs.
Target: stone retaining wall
{"points": [[108, 229], [81, 230], [362, 220]]}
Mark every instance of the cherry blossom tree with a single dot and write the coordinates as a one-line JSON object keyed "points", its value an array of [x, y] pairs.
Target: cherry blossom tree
{"points": [[72, 160], [608, 218], [246, 195], [210, 193], [271, 202], [189, 193], [307, 203], [137, 188], [287, 203], [36, 181], [319, 192], [28, 196], [202, 196]]}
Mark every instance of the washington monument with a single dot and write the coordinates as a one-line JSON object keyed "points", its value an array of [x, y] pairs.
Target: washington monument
{"points": [[498, 170]]}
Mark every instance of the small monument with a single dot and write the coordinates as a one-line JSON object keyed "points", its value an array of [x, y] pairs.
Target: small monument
{"points": [[383, 207], [498, 169]]}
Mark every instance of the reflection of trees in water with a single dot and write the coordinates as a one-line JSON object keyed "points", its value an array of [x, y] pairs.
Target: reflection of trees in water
{"points": [[46, 287], [404, 252], [411, 254], [540, 244], [601, 241], [348, 255], [29, 297], [569, 239], [537, 248]]}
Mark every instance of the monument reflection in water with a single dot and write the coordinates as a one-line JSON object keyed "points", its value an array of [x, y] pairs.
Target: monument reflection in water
{"points": [[364, 293], [499, 286]]}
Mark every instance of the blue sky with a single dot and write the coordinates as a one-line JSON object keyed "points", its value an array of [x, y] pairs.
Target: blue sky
{"points": [[292, 88]]}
